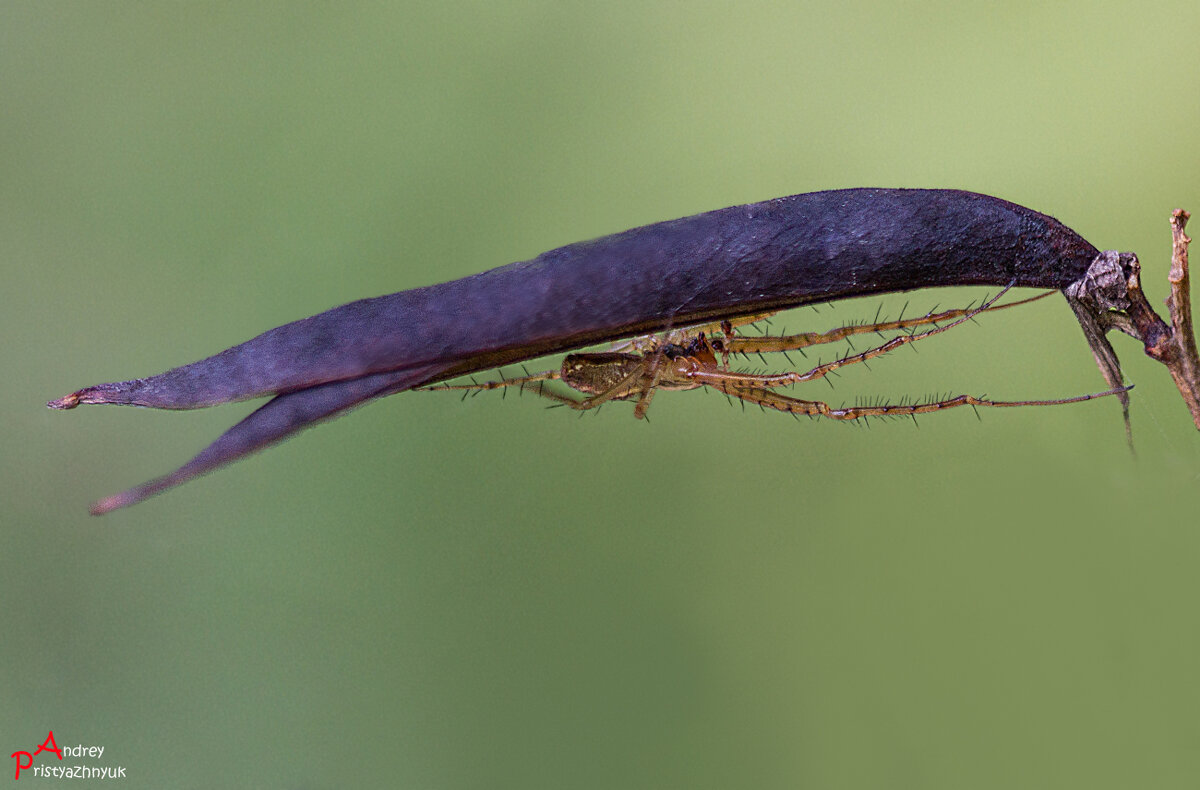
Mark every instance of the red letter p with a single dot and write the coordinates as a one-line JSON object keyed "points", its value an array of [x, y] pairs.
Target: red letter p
{"points": [[29, 762]]}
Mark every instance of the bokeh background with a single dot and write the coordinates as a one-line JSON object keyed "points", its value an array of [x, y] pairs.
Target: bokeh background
{"points": [[437, 594]]}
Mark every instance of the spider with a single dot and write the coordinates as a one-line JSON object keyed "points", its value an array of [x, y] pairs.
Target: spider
{"points": [[687, 359]]}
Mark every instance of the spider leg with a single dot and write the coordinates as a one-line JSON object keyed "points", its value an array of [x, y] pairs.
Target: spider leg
{"points": [[739, 344], [774, 400], [651, 376], [769, 381], [627, 386], [644, 344], [621, 390], [515, 381], [729, 334], [530, 382]]}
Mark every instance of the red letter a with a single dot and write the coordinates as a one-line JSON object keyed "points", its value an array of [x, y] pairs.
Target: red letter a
{"points": [[45, 748]]}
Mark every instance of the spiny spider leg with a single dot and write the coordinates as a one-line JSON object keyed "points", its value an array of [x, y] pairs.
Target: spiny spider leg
{"points": [[704, 375], [648, 343], [653, 374], [514, 381], [624, 388], [604, 375], [795, 406], [744, 344], [523, 382]]}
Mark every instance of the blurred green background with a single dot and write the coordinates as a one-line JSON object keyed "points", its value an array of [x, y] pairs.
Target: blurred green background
{"points": [[436, 594]]}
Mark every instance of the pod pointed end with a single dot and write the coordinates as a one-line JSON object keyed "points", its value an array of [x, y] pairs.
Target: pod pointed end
{"points": [[115, 502], [66, 401]]}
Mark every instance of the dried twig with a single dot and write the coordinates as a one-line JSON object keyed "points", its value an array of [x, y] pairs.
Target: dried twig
{"points": [[1185, 364], [1110, 296]]}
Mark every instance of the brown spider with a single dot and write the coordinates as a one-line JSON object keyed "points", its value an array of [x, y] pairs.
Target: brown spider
{"points": [[697, 357]]}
